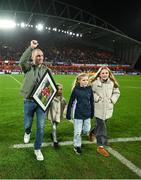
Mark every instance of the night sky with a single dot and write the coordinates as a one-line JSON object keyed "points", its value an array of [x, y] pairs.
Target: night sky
{"points": [[126, 16]]}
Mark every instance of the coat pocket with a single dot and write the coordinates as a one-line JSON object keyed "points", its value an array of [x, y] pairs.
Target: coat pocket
{"points": [[110, 104]]}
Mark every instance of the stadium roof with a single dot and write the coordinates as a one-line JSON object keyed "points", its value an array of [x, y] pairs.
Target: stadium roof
{"points": [[54, 13]]}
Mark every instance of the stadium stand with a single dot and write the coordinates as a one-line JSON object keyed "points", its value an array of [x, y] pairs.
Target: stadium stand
{"points": [[73, 40]]}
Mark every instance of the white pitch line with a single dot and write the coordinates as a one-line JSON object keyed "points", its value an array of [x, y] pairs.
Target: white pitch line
{"points": [[30, 145], [16, 80], [125, 161], [125, 139], [18, 146]]}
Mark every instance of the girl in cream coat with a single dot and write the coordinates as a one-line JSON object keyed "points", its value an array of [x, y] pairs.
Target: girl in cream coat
{"points": [[57, 111], [106, 93]]}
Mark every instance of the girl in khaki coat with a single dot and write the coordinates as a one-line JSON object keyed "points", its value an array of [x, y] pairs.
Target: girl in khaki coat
{"points": [[56, 111], [106, 93]]}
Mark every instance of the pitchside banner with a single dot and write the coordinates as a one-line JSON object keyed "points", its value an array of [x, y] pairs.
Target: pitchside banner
{"points": [[45, 91]]}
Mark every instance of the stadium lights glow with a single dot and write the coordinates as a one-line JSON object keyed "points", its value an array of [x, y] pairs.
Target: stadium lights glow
{"points": [[39, 27], [48, 28], [7, 24], [54, 29], [22, 25]]}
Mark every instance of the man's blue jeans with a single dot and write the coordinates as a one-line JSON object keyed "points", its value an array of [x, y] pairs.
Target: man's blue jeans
{"points": [[30, 107]]}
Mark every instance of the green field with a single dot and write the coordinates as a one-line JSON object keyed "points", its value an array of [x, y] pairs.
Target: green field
{"points": [[64, 163]]}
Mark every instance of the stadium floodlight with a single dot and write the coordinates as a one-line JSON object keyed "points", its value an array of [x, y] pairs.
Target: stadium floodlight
{"points": [[54, 29], [7, 24], [39, 27], [22, 25]]}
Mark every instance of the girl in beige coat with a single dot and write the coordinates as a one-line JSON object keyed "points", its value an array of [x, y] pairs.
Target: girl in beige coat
{"points": [[57, 111], [106, 94]]}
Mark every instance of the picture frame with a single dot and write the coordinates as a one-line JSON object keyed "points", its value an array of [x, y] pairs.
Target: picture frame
{"points": [[45, 91]]}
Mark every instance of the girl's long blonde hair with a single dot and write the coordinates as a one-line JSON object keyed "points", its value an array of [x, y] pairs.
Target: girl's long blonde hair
{"points": [[111, 76], [77, 79]]}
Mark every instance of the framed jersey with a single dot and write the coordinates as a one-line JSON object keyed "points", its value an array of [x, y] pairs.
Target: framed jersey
{"points": [[45, 91]]}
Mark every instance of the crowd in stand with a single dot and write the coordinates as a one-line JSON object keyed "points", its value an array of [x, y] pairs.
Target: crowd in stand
{"points": [[59, 54], [10, 52], [78, 55], [56, 56]]}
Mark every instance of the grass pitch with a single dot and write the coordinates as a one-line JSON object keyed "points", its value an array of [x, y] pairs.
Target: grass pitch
{"points": [[64, 163]]}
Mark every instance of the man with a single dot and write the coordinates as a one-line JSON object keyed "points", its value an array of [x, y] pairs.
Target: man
{"points": [[32, 65]]}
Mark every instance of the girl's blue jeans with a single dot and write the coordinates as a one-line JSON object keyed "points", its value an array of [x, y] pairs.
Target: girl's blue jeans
{"points": [[80, 126]]}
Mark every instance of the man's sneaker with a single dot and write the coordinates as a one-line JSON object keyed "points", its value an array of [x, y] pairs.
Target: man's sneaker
{"points": [[102, 151], [91, 137], [77, 150], [26, 138], [39, 155]]}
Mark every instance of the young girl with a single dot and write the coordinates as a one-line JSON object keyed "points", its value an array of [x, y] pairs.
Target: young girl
{"points": [[56, 111], [81, 109], [106, 93]]}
